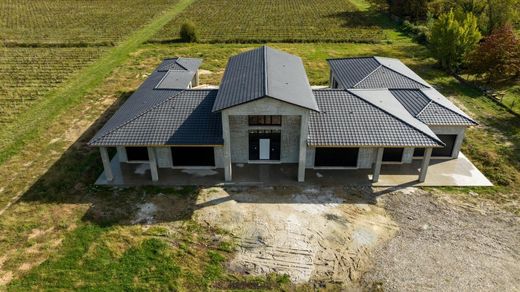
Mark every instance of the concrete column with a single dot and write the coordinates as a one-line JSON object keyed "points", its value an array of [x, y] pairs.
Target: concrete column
{"points": [[425, 163], [106, 163], [377, 165], [304, 132], [153, 164], [227, 146]]}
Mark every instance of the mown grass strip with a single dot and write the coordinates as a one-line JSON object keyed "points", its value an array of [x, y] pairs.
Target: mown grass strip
{"points": [[32, 123]]}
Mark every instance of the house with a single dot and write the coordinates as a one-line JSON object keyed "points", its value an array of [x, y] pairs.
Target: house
{"points": [[376, 111]]}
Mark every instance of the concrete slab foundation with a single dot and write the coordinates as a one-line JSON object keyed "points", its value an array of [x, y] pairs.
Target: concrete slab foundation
{"points": [[455, 172]]}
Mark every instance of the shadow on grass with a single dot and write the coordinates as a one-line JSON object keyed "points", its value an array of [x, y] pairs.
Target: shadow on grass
{"points": [[361, 19]]}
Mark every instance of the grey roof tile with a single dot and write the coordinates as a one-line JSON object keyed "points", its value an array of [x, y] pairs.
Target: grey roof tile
{"points": [[175, 79], [350, 71], [436, 111], [436, 115], [181, 64], [383, 77], [349, 120], [184, 119], [265, 72]]}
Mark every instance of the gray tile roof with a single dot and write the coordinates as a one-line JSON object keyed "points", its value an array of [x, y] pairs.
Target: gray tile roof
{"points": [[265, 72], [374, 72], [383, 77], [343, 69], [175, 79], [432, 109], [183, 119], [347, 119], [152, 116], [181, 64]]}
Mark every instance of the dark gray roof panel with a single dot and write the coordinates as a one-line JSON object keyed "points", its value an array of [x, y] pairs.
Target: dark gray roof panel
{"points": [[142, 99], [174, 79], [348, 120], [383, 77], [180, 64], [413, 100], [185, 119], [243, 80], [265, 72], [350, 71], [432, 109], [434, 114]]}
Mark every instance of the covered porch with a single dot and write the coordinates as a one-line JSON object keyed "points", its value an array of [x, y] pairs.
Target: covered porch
{"points": [[455, 172]]}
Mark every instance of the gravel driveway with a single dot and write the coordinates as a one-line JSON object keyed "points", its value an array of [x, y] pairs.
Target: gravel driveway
{"points": [[443, 246]]}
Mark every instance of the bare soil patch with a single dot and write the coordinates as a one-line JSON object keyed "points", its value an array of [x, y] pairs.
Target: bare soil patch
{"points": [[320, 235]]}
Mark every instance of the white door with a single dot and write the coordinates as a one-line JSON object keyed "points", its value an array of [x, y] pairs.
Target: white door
{"points": [[264, 149]]}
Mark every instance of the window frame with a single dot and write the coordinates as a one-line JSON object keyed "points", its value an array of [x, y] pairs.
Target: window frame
{"points": [[264, 120]]}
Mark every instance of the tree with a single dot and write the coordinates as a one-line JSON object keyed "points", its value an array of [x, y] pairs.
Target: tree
{"points": [[188, 32], [450, 39], [497, 57], [409, 9], [501, 13]]}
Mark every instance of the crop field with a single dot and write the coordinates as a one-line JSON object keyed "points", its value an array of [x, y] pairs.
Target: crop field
{"points": [[27, 74], [74, 21], [279, 21]]}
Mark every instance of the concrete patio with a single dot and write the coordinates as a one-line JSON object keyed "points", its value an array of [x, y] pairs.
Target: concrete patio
{"points": [[456, 172]]}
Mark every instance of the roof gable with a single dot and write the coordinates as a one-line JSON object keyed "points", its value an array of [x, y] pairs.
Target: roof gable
{"points": [[265, 72]]}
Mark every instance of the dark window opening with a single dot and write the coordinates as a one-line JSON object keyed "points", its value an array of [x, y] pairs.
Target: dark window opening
{"points": [[137, 153], [343, 157], [393, 154], [193, 156], [446, 151], [418, 152], [265, 120]]}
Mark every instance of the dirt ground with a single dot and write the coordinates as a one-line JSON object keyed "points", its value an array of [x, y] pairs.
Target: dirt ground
{"points": [[445, 245], [405, 240]]}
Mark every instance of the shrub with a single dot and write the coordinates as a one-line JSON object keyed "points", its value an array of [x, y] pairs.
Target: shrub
{"points": [[188, 32], [451, 40], [497, 57]]}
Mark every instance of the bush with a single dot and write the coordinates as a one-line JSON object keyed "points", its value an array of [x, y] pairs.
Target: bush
{"points": [[452, 39], [188, 32], [497, 57]]}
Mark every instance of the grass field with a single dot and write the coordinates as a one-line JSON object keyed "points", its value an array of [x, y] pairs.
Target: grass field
{"points": [[289, 21], [84, 22], [28, 74], [63, 218], [59, 232]]}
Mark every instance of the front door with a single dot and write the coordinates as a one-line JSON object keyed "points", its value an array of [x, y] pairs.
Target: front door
{"points": [[264, 149], [264, 145]]}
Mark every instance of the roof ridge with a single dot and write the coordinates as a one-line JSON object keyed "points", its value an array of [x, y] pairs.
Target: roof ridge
{"points": [[266, 82], [135, 118], [422, 110], [427, 85], [351, 58], [398, 118], [177, 61], [368, 75]]}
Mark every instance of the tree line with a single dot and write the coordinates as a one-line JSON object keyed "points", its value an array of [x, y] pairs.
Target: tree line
{"points": [[478, 37]]}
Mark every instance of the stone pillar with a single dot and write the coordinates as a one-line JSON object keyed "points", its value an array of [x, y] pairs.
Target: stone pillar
{"points": [[425, 163], [227, 146], [377, 165], [153, 164], [304, 132], [106, 163]]}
